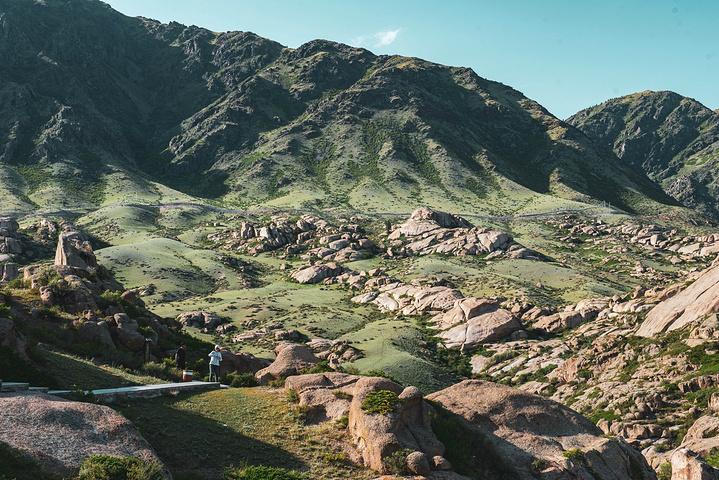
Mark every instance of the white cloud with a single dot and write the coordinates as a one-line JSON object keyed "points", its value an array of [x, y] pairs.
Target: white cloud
{"points": [[386, 38], [379, 39]]}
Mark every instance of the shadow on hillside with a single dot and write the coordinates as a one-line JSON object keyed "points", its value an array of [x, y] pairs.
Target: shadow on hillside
{"points": [[473, 117], [192, 442]]}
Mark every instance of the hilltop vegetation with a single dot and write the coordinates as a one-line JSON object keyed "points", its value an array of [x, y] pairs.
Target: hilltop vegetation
{"points": [[669, 137], [242, 121]]}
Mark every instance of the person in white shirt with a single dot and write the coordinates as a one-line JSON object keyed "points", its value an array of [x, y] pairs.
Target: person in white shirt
{"points": [[215, 359]]}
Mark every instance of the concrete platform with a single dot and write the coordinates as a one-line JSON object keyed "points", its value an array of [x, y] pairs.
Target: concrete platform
{"points": [[14, 386], [145, 391]]}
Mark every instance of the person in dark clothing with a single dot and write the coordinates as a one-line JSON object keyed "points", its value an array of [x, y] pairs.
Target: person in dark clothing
{"points": [[180, 357]]}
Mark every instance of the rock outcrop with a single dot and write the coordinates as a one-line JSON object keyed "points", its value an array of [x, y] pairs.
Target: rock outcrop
{"points": [[11, 338], [74, 252], [428, 232], [206, 321], [697, 300], [60, 434], [523, 427], [309, 236], [408, 427], [687, 465], [473, 321], [10, 242], [240, 362], [317, 273], [8, 271], [291, 359], [376, 437], [10, 245]]}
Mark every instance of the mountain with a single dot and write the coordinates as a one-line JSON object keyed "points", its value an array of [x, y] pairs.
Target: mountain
{"points": [[674, 139], [98, 106]]}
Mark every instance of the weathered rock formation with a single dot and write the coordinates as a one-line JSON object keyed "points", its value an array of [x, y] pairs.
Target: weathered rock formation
{"points": [[332, 396], [522, 428], [317, 273], [240, 362], [73, 252], [473, 321], [11, 338], [687, 465], [60, 434], [427, 232], [125, 329], [310, 236], [406, 427], [202, 320], [8, 271], [335, 352], [10, 243], [291, 359], [697, 300]]}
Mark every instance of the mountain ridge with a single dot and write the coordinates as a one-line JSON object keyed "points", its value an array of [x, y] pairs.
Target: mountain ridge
{"points": [[674, 139], [241, 119]]}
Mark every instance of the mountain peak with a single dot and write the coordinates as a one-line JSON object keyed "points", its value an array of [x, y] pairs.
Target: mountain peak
{"points": [[670, 137]]}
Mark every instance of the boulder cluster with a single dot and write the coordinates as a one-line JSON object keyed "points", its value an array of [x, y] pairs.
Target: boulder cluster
{"points": [[424, 233], [428, 232], [310, 237], [624, 362], [678, 248], [76, 284], [20, 247], [513, 425]]}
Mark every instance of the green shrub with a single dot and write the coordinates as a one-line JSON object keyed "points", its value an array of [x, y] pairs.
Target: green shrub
{"points": [[165, 370], [665, 471], [539, 464], [111, 296], [713, 457], [19, 283], [382, 402], [343, 421], [574, 454], [277, 382], [293, 396], [106, 467], [339, 394], [4, 311], [321, 367], [239, 380], [396, 463], [262, 473], [661, 447], [453, 360]]}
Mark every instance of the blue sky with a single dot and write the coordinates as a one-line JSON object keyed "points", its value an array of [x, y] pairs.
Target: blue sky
{"points": [[565, 54]]}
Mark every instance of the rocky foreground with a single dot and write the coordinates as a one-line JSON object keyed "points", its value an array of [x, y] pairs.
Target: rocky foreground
{"points": [[607, 388]]}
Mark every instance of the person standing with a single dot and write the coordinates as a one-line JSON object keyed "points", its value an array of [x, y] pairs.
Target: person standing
{"points": [[180, 357], [215, 359]]}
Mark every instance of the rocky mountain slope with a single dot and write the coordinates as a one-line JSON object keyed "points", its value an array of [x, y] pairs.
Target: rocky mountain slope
{"points": [[98, 106], [674, 139]]}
